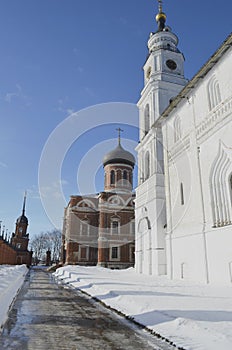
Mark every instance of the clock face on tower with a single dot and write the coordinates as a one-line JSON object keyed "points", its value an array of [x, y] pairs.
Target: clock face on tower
{"points": [[171, 64], [20, 229]]}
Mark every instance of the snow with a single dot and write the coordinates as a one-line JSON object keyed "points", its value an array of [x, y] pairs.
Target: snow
{"points": [[11, 280], [193, 316]]}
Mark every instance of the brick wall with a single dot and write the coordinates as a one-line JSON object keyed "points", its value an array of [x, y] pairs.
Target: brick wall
{"points": [[7, 254], [10, 256]]}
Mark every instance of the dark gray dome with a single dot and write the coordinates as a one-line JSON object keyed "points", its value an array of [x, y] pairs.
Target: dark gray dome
{"points": [[22, 220], [119, 155]]}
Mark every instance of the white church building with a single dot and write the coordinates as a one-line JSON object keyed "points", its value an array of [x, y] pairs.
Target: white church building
{"points": [[183, 207]]}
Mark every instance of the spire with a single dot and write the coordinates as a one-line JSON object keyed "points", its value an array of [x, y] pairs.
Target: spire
{"points": [[24, 203], [161, 17], [119, 135], [23, 219]]}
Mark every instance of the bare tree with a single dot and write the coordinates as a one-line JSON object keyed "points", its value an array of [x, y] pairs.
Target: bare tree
{"points": [[38, 245], [41, 243], [54, 244]]}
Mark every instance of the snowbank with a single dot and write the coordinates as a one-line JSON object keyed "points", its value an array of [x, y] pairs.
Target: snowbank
{"points": [[192, 316], [11, 279]]}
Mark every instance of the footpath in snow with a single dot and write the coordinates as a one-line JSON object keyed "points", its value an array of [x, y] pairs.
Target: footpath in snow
{"points": [[192, 316], [11, 280]]}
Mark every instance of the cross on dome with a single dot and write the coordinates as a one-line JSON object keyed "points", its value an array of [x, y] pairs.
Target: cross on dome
{"points": [[161, 17], [160, 5], [119, 135]]}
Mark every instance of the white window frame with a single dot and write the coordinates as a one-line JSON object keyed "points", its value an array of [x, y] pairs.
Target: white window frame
{"points": [[82, 224], [87, 252], [118, 251], [112, 228]]}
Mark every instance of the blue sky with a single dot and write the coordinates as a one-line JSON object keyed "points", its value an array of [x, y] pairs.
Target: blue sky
{"points": [[63, 56]]}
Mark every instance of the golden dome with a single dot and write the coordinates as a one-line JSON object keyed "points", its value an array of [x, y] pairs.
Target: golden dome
{"points": [[159, 16]]}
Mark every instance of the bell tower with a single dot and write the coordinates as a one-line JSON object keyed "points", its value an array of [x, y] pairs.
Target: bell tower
{"points": [[20, 238], [163, 80], [163, 73]]}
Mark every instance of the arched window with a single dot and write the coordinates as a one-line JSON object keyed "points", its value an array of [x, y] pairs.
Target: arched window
{"points": [[177, 129], [146, 119], [147, 165], [125, 175], [221, 187], [115, 223], [84, 227], [214, 94], [112, 177], [181, 194]]}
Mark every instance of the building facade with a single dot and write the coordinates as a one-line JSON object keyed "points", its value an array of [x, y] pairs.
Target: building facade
{"points": [[99, 229], [198, 164], [184, 197], [14, 251]]}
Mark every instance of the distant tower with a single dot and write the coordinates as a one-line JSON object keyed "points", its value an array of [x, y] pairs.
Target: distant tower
{"points": [[20, 238], [163, 80]]}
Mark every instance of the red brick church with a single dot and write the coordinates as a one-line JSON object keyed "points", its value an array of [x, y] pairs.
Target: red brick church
{"points": [[14, 251], [99, 229]]}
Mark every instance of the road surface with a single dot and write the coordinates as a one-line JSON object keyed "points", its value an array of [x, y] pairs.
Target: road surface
{"points": [[46, 316]]}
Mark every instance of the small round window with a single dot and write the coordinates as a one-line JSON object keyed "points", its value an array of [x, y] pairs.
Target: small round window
{"points": [[171, 64]]}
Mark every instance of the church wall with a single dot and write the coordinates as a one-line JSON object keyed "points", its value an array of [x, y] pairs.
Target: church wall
{"points": [[87, 230], [201, 159], [150, 222], [81, 241], [188, 257], [219, 255], [118, 208]]}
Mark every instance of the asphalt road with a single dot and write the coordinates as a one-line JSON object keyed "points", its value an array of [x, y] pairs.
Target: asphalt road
{"points": [[46, 316]]}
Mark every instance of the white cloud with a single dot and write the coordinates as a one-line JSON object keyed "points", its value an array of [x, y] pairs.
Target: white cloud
{"points": [[62, 108], [9, 96], [33, 192], [53, 191]]}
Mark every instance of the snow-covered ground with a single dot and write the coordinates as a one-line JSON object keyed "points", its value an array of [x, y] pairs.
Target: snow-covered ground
{"points": [[11, 280], [193, 316]]}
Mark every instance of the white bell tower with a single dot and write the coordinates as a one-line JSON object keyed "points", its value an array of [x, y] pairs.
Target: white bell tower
{"points": [[163, 80]]}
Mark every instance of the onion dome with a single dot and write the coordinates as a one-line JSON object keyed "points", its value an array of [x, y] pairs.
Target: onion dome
{"points": [[22, 220], [161, 17], [119, 155]]}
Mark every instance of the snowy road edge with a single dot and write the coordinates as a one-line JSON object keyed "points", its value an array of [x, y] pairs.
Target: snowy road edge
{"points": [[13, 291], [60, 280]]}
